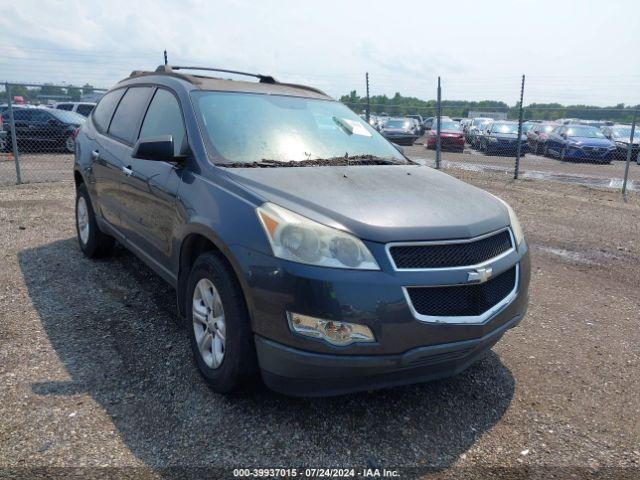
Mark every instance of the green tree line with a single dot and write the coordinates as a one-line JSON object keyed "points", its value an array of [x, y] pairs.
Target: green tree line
{"points": [[399, 105], [40, 94]]}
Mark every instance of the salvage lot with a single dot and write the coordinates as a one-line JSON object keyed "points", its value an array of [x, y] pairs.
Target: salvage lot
{"points": [[95, 370]]}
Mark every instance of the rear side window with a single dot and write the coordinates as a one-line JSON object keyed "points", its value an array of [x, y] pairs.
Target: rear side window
{"points": [[104, 110], [126, 120], [64, 106], [84, 109], [164, 118], [21, 114]]}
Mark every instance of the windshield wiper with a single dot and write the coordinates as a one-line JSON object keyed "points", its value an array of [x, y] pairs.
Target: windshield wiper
{"points": [[318, 162]]}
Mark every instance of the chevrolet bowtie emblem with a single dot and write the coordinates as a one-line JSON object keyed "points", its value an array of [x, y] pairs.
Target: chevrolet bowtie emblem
{"points": [[480, 275]]}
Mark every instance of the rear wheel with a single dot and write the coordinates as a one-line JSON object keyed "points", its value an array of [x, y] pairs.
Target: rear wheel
{"points": [[218, 320], [93, 242], [70, 144]]}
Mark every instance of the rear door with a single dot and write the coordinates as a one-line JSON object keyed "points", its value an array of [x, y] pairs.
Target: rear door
{"points": [[105, 165], [151, 187], [116, 146]]}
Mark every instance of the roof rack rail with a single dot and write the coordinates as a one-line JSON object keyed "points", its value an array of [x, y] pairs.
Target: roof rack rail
{"points": [[260, 77]]}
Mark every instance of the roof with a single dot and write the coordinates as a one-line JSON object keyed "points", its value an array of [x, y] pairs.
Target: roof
{"points": [[266, 85]]}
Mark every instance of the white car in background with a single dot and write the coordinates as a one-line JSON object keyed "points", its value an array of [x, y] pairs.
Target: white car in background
{"points": [[83, 108]]}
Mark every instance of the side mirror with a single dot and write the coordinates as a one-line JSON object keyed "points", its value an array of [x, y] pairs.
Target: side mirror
{"points": [[155, 148]]}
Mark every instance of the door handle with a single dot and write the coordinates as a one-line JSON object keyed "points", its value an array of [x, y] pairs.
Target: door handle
{"points": [[127, 171], [95, 155]]}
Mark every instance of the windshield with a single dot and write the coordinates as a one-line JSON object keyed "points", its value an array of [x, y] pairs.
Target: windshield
{"points": [[448, 126], [527, 126], [480, 121], [248, 127], [68, 117], [622, 132], [504, 128], [584, 132], [398, 123], [546, 128]]}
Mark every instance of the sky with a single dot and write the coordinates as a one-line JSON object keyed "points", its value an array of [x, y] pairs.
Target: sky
{"points": [[571, 51]]}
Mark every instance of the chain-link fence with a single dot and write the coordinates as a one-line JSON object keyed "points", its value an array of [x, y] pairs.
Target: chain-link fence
{"points": [[589, 145], [580, 144], [38, 124]]}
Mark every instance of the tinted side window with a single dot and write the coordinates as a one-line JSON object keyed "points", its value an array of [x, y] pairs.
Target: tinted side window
{"points": [[126, 120], [20, 114], [103, 112], [64, 106], [84, 110], [164, 118], [40, 116]]}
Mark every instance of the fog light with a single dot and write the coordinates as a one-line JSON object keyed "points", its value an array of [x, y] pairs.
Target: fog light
{"points": [[336, 333]]}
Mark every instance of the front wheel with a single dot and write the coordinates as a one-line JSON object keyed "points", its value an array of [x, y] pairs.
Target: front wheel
{"points": [[218, 320], [93, 242]]}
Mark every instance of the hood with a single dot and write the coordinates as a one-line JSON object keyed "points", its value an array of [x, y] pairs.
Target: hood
{"points": [[591, 142], [451, 133], [381, 203]]}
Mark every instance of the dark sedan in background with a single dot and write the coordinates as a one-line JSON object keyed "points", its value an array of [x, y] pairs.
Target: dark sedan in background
{"points": [[451, 136], [42, 129], [579, 142], [621, 136], [400, 130], [502, 138]]}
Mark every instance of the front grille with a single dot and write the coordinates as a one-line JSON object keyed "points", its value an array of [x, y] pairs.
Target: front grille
{"points": [[449, 255], [462, 300]]}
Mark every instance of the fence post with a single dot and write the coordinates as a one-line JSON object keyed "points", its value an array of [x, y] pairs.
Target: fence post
{"points": [[629, 151], [368, 114], [14, 140], [519, 149], [438, 117]]}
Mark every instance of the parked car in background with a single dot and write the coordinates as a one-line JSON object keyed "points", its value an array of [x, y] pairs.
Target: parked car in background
{"points": [[621, 136], [537, 136], [400, 130], [43, 128], [464, 124], [478, 125], [322, 273], [579, 142], [83, 108], [420, 122], [501, 138], [428, 123], [451, 136]]}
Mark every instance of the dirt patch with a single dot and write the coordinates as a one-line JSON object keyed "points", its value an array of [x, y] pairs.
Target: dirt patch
{"points": [[95, 370]]}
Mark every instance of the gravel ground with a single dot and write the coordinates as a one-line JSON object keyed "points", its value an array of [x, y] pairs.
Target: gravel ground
{"points": [[96, 371]]}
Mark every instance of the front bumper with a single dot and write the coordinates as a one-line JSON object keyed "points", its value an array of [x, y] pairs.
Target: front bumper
{"points": [[507, 147], [297, 372], [401, 139], [576, 153], [372, 298]]}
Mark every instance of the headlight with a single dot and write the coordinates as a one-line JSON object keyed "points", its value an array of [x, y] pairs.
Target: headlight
{"points": [[516, 228], [335, 333], [299, 239]]}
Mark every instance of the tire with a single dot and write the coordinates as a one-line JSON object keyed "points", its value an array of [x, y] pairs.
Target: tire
{"points": [[93, 242], [221, 313]]}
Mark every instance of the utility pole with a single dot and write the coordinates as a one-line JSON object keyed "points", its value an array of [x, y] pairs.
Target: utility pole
{"points": [[165, 58], [629, 150], [438, 118], [519, 151], [368, 112]]}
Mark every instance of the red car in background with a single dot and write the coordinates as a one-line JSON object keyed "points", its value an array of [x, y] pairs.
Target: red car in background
{"points": [[538, 135], [451, 136]]}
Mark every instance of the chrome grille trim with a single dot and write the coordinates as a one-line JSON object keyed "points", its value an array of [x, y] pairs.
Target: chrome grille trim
{"points": [[388, 247], [464, 320]]}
